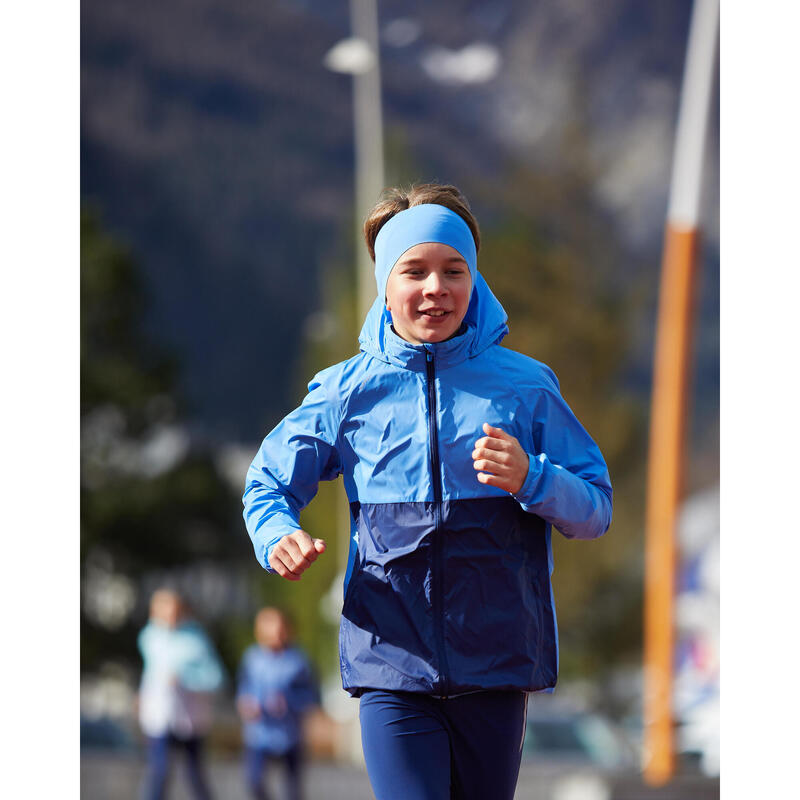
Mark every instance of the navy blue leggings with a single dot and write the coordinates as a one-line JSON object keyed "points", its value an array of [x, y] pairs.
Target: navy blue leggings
{"points": [[419, 747], [255, 764], [158, 758]]}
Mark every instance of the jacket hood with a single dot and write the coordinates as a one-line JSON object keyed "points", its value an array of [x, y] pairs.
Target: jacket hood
{"points": [[485, 321]]}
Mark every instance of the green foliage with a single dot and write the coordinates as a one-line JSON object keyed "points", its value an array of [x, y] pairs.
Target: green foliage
{"points": [[119, 365], [137, 517], [162, 521]]}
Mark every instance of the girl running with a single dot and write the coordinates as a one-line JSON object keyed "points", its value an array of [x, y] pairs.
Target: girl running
{"points": [[458, 455]]}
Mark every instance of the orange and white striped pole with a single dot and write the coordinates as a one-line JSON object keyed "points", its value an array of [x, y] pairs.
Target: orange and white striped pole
{"points": [[669, 408]]}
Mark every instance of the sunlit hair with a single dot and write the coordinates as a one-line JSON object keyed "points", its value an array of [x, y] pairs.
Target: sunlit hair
{"points": [[396, 199]]}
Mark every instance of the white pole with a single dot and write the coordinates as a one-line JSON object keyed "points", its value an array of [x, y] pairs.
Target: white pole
{"points": [[690, 137], [368, 124]]}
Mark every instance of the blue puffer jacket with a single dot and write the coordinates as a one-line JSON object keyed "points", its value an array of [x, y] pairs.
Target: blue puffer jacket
{"points": [[448, 583]]}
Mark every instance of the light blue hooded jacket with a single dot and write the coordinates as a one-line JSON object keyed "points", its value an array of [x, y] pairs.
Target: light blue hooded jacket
{"points": [[181, 672], [448, 587]]}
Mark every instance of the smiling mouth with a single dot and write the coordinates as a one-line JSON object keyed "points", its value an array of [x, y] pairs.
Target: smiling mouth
{"points": [[434, 313]]}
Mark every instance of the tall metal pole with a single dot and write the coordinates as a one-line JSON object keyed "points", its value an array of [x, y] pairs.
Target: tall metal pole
{"points": [[368, 124], [670, 390]]}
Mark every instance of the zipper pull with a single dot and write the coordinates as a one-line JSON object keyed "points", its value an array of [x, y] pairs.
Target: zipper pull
{"points": [[428, 355]]}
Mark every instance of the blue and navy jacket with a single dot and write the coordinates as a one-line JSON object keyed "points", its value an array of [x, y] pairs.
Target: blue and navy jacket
{"points": [[282, 683], [447, 589]]}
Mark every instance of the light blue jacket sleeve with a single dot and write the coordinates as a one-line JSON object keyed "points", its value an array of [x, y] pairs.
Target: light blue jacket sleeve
{"points": [[567, 482], [283, 478], [202, 671]]}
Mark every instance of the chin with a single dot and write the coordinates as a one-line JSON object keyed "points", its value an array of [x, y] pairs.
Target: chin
{"points": [[435, 336]]}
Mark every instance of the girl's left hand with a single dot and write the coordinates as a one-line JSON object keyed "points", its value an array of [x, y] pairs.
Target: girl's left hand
{"points": [[500, 460]]}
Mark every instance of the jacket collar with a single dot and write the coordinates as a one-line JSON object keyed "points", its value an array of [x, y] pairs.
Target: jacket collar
{"points": [[415, 356]]}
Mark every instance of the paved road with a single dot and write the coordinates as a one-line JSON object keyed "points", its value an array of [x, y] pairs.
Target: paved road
{"points": [[117, 777], [112, 777]]}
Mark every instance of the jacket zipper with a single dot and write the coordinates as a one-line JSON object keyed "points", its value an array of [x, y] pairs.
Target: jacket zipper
{"points": [[438, 566]]}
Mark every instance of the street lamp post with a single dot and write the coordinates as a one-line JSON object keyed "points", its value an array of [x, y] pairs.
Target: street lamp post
{"points": [[368, 119], [359, 56]]}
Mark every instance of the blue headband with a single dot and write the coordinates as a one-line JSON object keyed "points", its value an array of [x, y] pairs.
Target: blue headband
{"points": [[428, 222]]}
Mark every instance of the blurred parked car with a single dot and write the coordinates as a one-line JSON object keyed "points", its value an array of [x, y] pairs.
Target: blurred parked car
{"points": [[103, 733], [572, 737]]}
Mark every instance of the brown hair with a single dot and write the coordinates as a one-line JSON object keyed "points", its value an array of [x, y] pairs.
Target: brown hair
{"points": [[396, 199]]}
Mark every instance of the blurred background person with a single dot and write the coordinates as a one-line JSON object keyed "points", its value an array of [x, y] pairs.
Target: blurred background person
{"points": [[275, 688], [181, 674]]}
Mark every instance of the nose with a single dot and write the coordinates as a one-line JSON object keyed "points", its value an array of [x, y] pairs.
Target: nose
{"points": [[434, 285]]}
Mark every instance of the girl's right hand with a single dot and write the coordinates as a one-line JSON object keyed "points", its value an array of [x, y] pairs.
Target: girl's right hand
{"points": [[294, 554]]}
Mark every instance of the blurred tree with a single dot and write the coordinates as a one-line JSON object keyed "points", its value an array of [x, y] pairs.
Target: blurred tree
{"points": [[151, 500]]}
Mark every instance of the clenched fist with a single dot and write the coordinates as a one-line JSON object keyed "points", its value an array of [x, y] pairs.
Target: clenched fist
{"points": [[500, 460], [294, 554]]}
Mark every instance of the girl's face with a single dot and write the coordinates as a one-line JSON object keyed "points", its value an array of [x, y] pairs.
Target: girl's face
{"points": [[428, 292]]}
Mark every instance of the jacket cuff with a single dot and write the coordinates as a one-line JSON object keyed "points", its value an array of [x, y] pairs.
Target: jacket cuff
{"points": [[528, 488], [267, 553]]}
